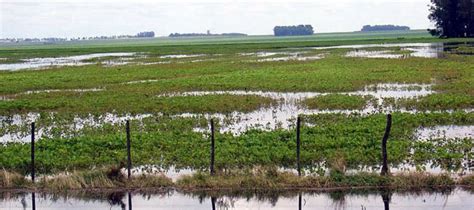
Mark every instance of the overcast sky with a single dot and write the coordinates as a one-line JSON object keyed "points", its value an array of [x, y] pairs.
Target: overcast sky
{"points": [[77, 18]]}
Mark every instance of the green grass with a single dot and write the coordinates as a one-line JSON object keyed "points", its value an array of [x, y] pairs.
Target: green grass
{"points": [[110, 101], [336, 101], [168, 142], [334, 74]]}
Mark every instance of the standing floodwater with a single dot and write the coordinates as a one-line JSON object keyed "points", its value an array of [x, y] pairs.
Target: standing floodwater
{"points": [[457, 199]]}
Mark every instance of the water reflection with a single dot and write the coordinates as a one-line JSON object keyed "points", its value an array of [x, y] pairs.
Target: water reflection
{"points": [[355, 199]]}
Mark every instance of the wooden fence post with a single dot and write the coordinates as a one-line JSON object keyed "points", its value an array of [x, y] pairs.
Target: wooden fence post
{"points": [[298, 145], [213, 202], [300, 199], [33, 152], [33, 201], [212, 148], [129, 201], [129, 155], [384, 145]]}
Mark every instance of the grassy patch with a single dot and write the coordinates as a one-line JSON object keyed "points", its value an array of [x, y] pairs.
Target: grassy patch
{"points": [[102, 178], [132, 103], [13, 180], [336, 101], [271, 179], [438, 102]]}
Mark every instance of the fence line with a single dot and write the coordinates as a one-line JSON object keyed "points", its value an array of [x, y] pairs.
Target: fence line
{"points": [[384, 170]]}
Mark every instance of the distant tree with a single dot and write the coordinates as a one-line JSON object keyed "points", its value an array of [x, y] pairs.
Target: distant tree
{"points": [[385, 28], [293, 30], [146, 34], [452, 18], [204, 34]]}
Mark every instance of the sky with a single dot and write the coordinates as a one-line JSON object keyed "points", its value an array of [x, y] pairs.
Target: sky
{"points": [[79, 18]]}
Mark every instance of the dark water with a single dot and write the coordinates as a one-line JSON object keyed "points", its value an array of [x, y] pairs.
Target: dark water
{"points": [[455, 199]]}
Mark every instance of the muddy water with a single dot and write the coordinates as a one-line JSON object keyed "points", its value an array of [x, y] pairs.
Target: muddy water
{"points": [[457, 199], [78, 60]]}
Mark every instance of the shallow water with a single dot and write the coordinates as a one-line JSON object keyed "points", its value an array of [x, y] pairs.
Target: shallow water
{"points": [[372, 54], [446, 132], [457, 199], [422, 50], [281, 115], [78, 60], [183, 56], [289, 106]]}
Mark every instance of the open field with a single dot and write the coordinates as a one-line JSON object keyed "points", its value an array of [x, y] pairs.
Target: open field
{"points": [[254, 87]]}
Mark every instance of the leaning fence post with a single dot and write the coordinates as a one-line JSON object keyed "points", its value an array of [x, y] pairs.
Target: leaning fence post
{"points": [[384, 145], [129, 158], [212, 147], [298, 145], [213, 202], [33, 152]]}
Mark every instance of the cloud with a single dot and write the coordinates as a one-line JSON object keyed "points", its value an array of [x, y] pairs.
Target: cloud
{"points": [[63, 18]]}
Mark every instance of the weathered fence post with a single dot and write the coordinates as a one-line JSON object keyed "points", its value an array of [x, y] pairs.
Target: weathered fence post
{"points": [[213, 202], [384, 145], [386, 198], [129, 201], [298, 145], [33, 152], [33, 201], [300, 198], [212, 148], [129, 155]]}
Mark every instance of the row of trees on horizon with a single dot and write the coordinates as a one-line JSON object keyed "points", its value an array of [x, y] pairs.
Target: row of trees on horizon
{"points": [[385, 28], [298, 30]]}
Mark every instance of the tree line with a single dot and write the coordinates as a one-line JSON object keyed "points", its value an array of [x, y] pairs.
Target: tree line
{"points": [[146, 34], [293, 30], [384, 28], [452, 18], [204, 34]]}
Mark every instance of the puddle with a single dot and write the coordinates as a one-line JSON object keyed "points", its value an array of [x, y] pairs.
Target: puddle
{"points": [[293, 58], [63, 90], [140, 81], [264, 56], [183, 56], [446, 132], [78, 60], [456, 199], [372, 54], [289, 106], [423, 50]]}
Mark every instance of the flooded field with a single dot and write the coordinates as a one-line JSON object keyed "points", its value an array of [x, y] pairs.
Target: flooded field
{"points": [[423, 50], [281, 115], [457, 199], [78, 60]]}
